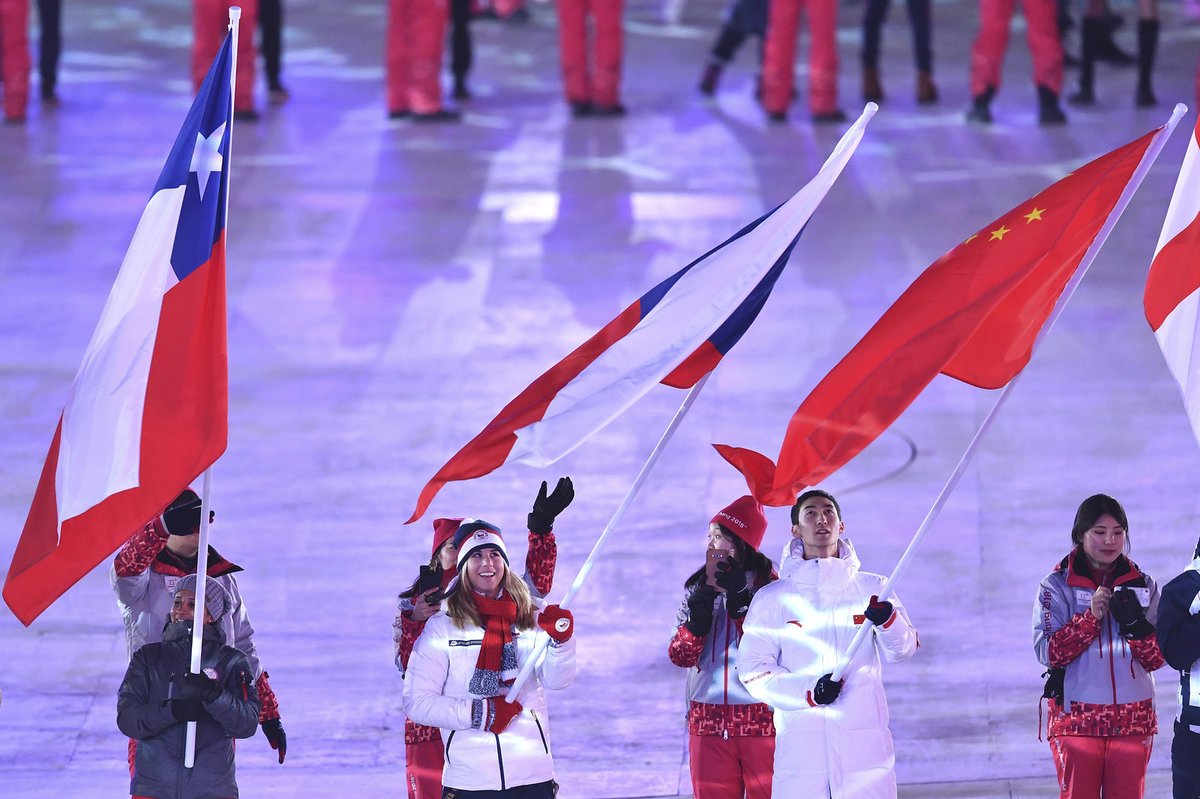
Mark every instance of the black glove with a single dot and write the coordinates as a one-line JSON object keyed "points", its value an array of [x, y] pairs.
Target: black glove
{"points": [[187, 709], [827, 691], [732, 579], [1129, 615], [878, 611], [199, 686], [700, 610], [185, 519], [273, 729], [545, 508], [430, 578]]}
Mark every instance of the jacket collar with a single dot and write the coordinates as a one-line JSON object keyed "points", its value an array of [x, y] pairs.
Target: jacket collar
{"points": [[168, 562], [1080, 575], [794, 566]]}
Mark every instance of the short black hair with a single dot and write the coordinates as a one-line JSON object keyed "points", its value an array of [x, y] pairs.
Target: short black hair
{"points": [[809, 494], [1092, 509]]}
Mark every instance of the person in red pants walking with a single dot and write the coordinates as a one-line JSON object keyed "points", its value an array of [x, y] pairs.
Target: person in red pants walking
{"points": [[987, 57], [210, 21], [779, 55], [14, 58], [416, 35], [595, 91]]}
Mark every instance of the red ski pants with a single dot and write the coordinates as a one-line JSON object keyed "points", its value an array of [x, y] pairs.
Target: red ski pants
{"points": [[416, 37], [600, 84], [1091, 767], [14, 57], [423, 769], [987, 52], [730, 768], [779, 55], [210, 21]]}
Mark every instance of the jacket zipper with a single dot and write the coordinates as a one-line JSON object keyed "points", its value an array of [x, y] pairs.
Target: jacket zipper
{"points": [[536, 721], [724, 710], [500, 762]]}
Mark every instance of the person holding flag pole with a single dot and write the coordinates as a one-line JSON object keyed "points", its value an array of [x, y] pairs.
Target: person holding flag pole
{"points": [[714, 301], [977, 314]]}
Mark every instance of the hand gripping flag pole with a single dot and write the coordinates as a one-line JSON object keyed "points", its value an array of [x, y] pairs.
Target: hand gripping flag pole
{"points": [[189, 750], [1131, 187]]}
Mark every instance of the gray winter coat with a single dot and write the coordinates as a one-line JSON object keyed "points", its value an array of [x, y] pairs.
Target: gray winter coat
{"points": [[144, 713]]}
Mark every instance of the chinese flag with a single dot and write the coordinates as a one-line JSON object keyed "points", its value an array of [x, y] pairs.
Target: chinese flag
{"points": [[973, 315]]}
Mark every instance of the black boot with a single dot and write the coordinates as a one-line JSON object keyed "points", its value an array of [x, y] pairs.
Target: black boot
{"points": [[1094, 30], [1147, 38], [1107, 49], [708, 81], [980, 110], [461, 92], [1049, 112]]}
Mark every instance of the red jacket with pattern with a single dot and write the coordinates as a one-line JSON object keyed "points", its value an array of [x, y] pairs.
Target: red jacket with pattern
{"points": [[718, 704], [1107, 686]]}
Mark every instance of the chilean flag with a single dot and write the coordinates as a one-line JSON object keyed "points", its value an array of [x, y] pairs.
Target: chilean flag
{"points": [[1172, 299], [673, 334], [148, 410]]}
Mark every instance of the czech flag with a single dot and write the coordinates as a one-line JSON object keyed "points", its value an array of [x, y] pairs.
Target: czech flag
{"points": [[1172, 299], [148, 410], [673, 334], [975, 315]]}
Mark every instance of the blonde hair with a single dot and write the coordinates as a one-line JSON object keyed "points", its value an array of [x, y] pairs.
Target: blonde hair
{"points": [[460, 604]]}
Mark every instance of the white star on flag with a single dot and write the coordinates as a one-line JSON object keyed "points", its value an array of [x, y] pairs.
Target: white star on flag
{"points": [[207, 158]]}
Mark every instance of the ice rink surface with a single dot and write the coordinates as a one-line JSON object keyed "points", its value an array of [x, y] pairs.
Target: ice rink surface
{"points": [[393, 285]]}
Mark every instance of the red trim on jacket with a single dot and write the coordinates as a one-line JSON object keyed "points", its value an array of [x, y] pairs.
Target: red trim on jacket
{"points": [[731, 721], [270, 704], [136, 554], [1073, 638], [540, 560], [1103, 721], [685, 647]]}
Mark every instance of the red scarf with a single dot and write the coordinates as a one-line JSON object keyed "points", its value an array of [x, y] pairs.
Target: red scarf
{"points": [[499, 616]]}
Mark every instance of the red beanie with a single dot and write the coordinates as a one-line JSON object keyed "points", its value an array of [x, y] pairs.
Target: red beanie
{"points": [[443, 531], [744, 518]]}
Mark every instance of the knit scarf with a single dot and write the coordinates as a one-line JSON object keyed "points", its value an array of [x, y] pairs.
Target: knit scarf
{"points": [[498, 653]]}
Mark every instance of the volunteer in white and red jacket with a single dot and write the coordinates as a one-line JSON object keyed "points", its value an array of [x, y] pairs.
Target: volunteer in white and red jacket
{"points": [[1093, 625], [831, 738], [464, 663], [731, 738]]}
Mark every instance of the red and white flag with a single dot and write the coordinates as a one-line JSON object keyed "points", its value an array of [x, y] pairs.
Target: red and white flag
{"points": [[974, 315], [673, 334], [148, 409], [1172, 299]]}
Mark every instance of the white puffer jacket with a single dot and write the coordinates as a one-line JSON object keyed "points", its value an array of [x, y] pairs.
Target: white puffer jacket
{"points": [[436, 694], [797, 629]]}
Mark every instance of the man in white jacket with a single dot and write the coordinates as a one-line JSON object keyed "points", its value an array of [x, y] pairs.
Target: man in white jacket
{"points": [[832, 738]]}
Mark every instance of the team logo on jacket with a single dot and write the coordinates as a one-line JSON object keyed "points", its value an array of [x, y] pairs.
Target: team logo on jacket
{"points": [[211, 673], [860, 618]]}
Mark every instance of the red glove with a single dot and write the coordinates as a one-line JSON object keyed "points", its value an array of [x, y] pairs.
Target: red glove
{"points": [[558, 623], [502, 713]]}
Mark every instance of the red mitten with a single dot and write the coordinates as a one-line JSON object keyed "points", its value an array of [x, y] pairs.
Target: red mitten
{"points": [[558, 622], [503, 712]]}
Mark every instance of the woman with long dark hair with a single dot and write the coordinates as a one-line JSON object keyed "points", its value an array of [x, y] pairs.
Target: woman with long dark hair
{"points": [[731, 736], [1093, 627], [465, 662]]}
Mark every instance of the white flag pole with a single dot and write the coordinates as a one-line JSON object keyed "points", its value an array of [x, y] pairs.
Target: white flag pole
{"points": [[189, 750], [544, 640], [1131, 187]]}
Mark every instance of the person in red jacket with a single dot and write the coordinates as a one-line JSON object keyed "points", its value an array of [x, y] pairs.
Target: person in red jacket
{"points": [[416, 34], [423, 752], [595, 90], [731, 735], [14, 58], [210, 22], [779, 56], [987, 57]]}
